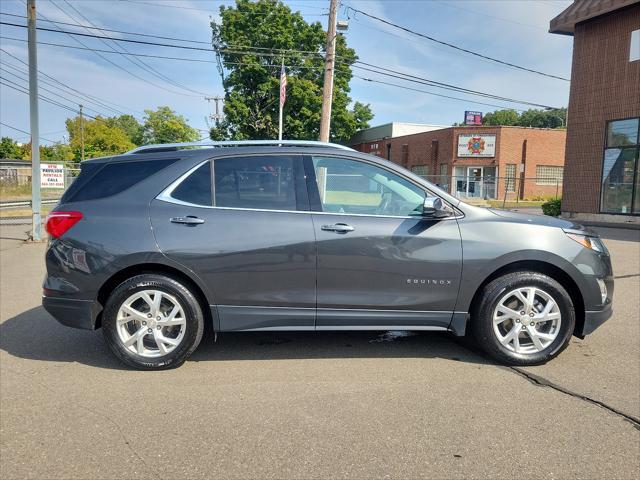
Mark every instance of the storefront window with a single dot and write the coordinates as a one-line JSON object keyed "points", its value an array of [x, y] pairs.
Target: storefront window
{"points": [[621, 168], [622, 132]]}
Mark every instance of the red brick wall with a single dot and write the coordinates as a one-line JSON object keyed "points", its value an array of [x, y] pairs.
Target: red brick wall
{"points": [[543, 147], [604, 86], [532, 147]]}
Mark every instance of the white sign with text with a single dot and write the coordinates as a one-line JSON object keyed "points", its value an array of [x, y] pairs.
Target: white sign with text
{"points": [[476, 145], [52, 175]]}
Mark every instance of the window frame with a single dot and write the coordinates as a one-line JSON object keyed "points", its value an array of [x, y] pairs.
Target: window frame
{"points": [[634, 191], [316, 203], [300, 192], [549, 180]]}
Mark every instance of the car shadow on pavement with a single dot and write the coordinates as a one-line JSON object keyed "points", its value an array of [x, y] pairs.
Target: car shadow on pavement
{"points": [[35, 335]]}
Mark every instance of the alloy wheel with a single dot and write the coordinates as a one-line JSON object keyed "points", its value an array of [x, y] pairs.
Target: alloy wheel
{"points": [[151, 323], [527, 320]]}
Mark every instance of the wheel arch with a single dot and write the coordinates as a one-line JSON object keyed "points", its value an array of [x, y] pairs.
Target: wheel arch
{"points": [[158, 268], [545, 268]]}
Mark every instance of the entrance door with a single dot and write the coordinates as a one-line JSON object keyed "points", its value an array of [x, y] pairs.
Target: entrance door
{"points": [[474, 182], [380, 262]]}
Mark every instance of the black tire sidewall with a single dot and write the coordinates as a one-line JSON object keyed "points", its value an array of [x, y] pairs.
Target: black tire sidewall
{"points": [[188, 302], [491, 295]]}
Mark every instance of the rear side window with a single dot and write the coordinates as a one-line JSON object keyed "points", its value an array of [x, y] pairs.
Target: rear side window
{"points": [[261, 182], [112, 178], [196, 188]]}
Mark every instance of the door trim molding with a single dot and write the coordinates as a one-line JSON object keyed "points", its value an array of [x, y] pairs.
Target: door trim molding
{"points": [[274, 318]]}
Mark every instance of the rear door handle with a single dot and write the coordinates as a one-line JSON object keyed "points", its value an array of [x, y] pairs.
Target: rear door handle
{"points": [[338, 228], [188, 220]]}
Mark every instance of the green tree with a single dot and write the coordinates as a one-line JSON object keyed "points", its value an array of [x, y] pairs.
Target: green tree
{"points": [[129, 125], [9, 148], [551, 118], [252, 80], [57, 151], [100, 139], [165, 126], [501, 117]]}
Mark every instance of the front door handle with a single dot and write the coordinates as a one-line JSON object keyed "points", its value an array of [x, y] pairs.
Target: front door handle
{"points": [[338, 228], [188, 220]]}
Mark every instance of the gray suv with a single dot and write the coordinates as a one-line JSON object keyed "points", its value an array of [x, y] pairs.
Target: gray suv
{"points": [[307, 236]]}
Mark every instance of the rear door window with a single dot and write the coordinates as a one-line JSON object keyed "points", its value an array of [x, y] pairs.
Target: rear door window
{"points": [[196, 188], [269, 182]]}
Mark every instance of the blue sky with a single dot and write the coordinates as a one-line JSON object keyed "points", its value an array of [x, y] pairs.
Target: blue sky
{"points": [[512, 30]]}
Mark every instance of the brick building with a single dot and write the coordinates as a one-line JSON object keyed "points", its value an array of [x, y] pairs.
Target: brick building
{"points": [[481, 162], [602, 169]]}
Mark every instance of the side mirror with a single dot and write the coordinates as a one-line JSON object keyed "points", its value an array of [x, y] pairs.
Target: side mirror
{"points": [[433, 207]]}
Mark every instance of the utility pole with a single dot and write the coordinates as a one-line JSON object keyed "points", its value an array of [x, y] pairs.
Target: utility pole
{"points": [[81, 134], [217, 116], [329, 63], [34, 121]]}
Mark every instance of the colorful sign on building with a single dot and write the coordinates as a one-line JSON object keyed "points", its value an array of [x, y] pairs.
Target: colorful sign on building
{"points": [[476, 145], [472, 118]]}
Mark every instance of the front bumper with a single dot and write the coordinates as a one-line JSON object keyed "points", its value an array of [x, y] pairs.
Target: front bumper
{"points": [[593, 319], [73, 313]]}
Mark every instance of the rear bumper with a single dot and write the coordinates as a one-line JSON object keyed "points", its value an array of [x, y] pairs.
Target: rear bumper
{"points": [[593, 319], [73, 313]]}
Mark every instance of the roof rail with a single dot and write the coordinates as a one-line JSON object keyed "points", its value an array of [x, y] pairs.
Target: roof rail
{"points": [[160, 147]]}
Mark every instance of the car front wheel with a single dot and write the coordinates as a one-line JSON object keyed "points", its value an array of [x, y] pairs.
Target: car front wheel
{"points": [[523, 318], [152, 322]]}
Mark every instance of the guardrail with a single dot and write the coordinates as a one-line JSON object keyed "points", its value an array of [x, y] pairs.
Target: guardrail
{"points": [[25, 203]]}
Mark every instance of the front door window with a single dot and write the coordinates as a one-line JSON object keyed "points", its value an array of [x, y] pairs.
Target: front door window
{"points": [[353, 187]]}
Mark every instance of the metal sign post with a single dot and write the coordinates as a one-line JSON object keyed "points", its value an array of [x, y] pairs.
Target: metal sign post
{"points": [[33, 111]]}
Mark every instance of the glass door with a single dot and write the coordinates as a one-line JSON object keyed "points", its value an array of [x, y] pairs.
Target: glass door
{"points": [[474, 182]]}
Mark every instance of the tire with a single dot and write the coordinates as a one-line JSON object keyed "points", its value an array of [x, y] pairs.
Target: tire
{"points": [[520, 331], [155, 342]]}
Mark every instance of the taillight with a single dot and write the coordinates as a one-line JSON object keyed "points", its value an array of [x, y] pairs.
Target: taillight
{"points": [[58, 223]]}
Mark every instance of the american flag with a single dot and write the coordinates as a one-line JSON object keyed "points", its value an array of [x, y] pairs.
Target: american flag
{"points": [[283, 86]]}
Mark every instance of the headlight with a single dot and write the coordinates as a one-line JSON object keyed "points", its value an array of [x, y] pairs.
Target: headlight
{"points": [[592, 243]]}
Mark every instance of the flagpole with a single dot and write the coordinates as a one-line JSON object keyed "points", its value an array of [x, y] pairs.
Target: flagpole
{"points": [[280, 114]]}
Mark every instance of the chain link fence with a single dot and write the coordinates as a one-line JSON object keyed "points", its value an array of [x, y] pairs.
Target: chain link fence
{"points": [[499, 191]]}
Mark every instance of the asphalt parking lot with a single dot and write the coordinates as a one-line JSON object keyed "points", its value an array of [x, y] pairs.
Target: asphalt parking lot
{"points": [[294, 405]]}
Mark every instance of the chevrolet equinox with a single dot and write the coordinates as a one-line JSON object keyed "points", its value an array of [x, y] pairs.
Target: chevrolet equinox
{"points": [[307, 236]]}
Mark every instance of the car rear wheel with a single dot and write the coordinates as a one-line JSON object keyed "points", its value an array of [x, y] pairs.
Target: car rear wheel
{"points": [[152, 322], [523, 318]]}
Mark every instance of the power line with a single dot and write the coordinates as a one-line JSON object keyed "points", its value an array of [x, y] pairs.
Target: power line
{"points": [[414, 79], [40, 42], [21, 89], [163, 57], [183, 7], [502, 19], [295, 53], [106, 59], [441, 42], [128, 40], [120, 67], [102, 29], [404, 87], [58, 94], [135, 61], [25, 132], [91, 98]]}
